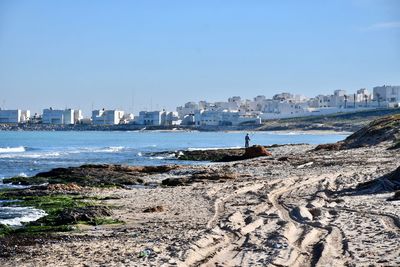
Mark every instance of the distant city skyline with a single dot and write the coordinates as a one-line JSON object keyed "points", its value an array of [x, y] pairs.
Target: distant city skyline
{"points": [[161, 54]]}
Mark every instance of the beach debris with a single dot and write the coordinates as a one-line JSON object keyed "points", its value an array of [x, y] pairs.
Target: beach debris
{"points": [[280, 245], [305, 165], [146, 253], [329, 147], [64, 187], [284, 158], [154, 209]]}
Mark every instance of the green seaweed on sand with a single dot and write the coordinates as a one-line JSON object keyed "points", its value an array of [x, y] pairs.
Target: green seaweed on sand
{"points": [[63, 211]]}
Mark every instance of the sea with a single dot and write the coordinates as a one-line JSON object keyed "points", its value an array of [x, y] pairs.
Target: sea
{"points": [[26, 153]]}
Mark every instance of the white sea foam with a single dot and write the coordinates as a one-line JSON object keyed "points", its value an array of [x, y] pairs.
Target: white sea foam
{"points": [[31, 155], [169, 156], [139, 154], [22, 174], [15, 216], [12, 149], [110, 149]]}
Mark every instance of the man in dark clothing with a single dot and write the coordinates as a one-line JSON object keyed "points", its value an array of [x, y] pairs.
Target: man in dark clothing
{"points": [[247, 141]]}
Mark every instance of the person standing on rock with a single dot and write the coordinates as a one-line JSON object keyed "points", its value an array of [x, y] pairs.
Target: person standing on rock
{"points": [[247, 141]]}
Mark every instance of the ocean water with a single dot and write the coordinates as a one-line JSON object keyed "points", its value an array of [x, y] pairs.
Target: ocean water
{"points": [[27, 153]]}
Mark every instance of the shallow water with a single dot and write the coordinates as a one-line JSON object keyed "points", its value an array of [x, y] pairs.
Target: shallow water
{"points": [[27, 153]]}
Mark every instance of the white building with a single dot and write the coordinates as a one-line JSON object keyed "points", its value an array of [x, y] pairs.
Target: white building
{"points": [[107, 117], [14, 116], [57, 116], [78, 116], [157, 118], [388, 94], [149, 118], [188, 109], [127, 118], [224, 118]]}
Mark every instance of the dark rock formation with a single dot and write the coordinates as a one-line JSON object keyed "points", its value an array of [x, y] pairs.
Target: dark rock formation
{"points": [[256, 151], [83, 214], [225, 155], [210, 154], [207, 175], [93, 175]]}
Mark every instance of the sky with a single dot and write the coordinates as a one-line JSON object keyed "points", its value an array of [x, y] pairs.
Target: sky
{"points": [[146, 55]]}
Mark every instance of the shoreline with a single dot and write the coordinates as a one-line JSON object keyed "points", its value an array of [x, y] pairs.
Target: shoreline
{"points": [[332, 204], [282, 204]]}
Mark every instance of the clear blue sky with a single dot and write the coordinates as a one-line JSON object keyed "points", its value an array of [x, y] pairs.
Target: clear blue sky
{"points": [[164, 53]]}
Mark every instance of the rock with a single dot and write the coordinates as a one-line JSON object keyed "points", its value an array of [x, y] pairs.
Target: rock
{"points": [[249, 153], [256, 151], [209, 154], [154, 209], [175, 181], [329, 147], [85, 214], [209, 176], [93, 175], [283, 158]]}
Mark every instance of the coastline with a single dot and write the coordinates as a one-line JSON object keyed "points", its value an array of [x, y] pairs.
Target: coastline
{"points": [[332, 204], [283, 205], [341, 122]]}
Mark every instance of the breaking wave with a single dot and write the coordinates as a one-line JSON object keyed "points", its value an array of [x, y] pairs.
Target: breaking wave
{"points": [[12, 149], [15, 216]]}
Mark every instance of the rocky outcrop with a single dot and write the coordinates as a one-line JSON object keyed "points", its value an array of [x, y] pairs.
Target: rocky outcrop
{"points": [[378, 131], [83, 214], [249, 153], [202, 176], [214, 155], [103, 175], [225, 155], [256, 151]]}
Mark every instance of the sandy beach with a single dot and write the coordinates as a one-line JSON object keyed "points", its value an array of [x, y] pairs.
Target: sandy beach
{"points": [[295, 208]]}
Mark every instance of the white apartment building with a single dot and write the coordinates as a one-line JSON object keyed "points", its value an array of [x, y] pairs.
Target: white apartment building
{"points": [[57, 116], [387, 94], [157, 118], [224, 118], [188, 109], [14, 116], [107, 117], [78, 116]]}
